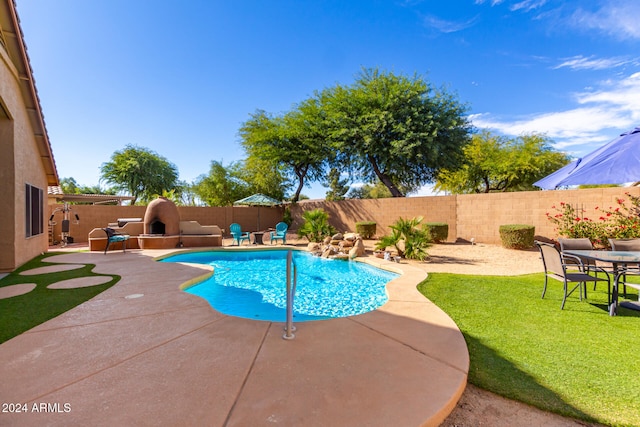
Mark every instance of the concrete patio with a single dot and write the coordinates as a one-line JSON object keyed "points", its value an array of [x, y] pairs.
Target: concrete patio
{"points": [[145, 353]]}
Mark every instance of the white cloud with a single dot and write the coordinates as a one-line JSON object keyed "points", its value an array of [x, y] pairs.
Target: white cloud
{"points": [[445, 26], [583, 63], [599, 114], [618, 18], [528, 5], [492, 2]]}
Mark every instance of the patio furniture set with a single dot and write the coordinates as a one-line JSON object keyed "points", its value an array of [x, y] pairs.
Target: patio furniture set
{"points": [[577, 262], [279, 233]]}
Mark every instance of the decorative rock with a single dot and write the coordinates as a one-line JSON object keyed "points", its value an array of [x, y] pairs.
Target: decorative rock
{"points": [[346, 244], [327, 240], [359, 247], [351, 236], [343, 257], [353, 253], [313, 246], [337, 236]]}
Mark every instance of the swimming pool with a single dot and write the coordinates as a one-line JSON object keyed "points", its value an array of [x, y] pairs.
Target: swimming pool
{"points": [[252, 284]]}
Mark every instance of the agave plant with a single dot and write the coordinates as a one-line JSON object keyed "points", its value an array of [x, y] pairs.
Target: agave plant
{"points": [[315, 226], [409, 240]]}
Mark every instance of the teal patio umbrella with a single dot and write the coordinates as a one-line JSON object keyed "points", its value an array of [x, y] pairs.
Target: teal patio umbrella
{"points": [[258, 200]]}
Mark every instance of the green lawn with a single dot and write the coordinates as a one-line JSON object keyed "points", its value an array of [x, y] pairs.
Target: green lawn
{"points": [[578, 362], [21, 313]]}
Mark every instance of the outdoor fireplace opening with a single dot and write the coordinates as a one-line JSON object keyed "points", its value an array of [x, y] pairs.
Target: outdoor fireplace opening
{"points": [[162, 218], [157, 227]]}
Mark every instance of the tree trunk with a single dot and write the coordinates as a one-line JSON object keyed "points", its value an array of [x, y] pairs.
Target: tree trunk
{"points": [[301, 172], [384, 178]]}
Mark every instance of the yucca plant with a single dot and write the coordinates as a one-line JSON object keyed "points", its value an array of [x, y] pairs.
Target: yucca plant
{"points": [[315, 226], [409, 240]]}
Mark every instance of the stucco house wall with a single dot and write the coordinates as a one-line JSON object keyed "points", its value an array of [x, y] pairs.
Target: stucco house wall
{"points": [[26, 153]]}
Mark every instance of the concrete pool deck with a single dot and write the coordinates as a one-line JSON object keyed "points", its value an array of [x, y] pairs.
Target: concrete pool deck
{"points": [[145, 353]]}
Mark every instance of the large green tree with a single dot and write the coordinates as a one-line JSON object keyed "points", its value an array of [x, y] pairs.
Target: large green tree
{"points": [[394, 129], [264, 177], [374, 191], [495, 163], [140, 172], [337, 186], [294, 141], [222, 186], [70, 186]]}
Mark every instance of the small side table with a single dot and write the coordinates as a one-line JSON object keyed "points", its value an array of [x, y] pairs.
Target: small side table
{"points": [[257, 237]]}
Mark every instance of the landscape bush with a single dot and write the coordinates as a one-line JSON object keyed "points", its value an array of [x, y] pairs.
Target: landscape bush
{"points": [[409, 240], [367, 229], [517, 236], [315, 226], [438, 231], [621, 222]]}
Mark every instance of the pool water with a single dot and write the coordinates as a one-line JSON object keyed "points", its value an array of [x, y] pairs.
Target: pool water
{"points": [[253, 285]]}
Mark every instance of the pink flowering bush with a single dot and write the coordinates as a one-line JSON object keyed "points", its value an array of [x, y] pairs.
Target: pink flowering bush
{"points": [[621, 222]]}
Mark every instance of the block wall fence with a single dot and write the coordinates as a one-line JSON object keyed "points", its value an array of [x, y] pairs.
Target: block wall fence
{"points": [[476, 216], [99, 216]]}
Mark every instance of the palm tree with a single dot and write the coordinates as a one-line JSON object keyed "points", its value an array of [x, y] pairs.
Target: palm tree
{"points": [[316, 226], [409, 241]]}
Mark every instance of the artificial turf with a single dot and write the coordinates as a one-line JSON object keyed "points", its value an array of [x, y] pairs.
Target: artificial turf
{"points": [[577, 362], [21, 313]]}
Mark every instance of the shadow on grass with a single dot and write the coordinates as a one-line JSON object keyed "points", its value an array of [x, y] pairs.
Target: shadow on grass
{"points": [[20, 313], [506, 379]]}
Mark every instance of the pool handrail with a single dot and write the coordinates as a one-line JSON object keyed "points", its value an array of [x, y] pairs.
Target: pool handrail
{"points": [[291, 290]]}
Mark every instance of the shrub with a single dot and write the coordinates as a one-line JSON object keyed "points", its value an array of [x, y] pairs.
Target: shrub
{"points": [[286, 216], [367, 229], [620, 222], [517, 236], [315, 226], [438, 231], [572, 225], [409, 241]]}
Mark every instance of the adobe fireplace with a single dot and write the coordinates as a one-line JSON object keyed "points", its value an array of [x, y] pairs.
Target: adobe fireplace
{"points": [[161, 225]]}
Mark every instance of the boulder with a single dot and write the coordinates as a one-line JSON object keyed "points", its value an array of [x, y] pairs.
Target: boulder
{"points": [[353, 253], [337, 236], [346, 244], [313, 246], [351, 236], [359, 247]]}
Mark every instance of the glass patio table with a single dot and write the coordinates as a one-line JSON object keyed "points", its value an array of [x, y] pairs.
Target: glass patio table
{"points": [[616, 259]]}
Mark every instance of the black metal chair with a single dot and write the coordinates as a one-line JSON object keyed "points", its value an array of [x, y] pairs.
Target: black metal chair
{"points": [[627, 270], [114, 236], [578, 243], [555, 267]]}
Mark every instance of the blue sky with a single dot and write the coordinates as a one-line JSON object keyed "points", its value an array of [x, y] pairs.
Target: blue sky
{"points": [[179, 77]]}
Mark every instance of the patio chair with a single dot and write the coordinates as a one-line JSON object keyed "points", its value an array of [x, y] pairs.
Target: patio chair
{"points": [[621, 278], [237, 233], [627, 245], [581, 243], [555, 267], [114, 236], [280, 233]]}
